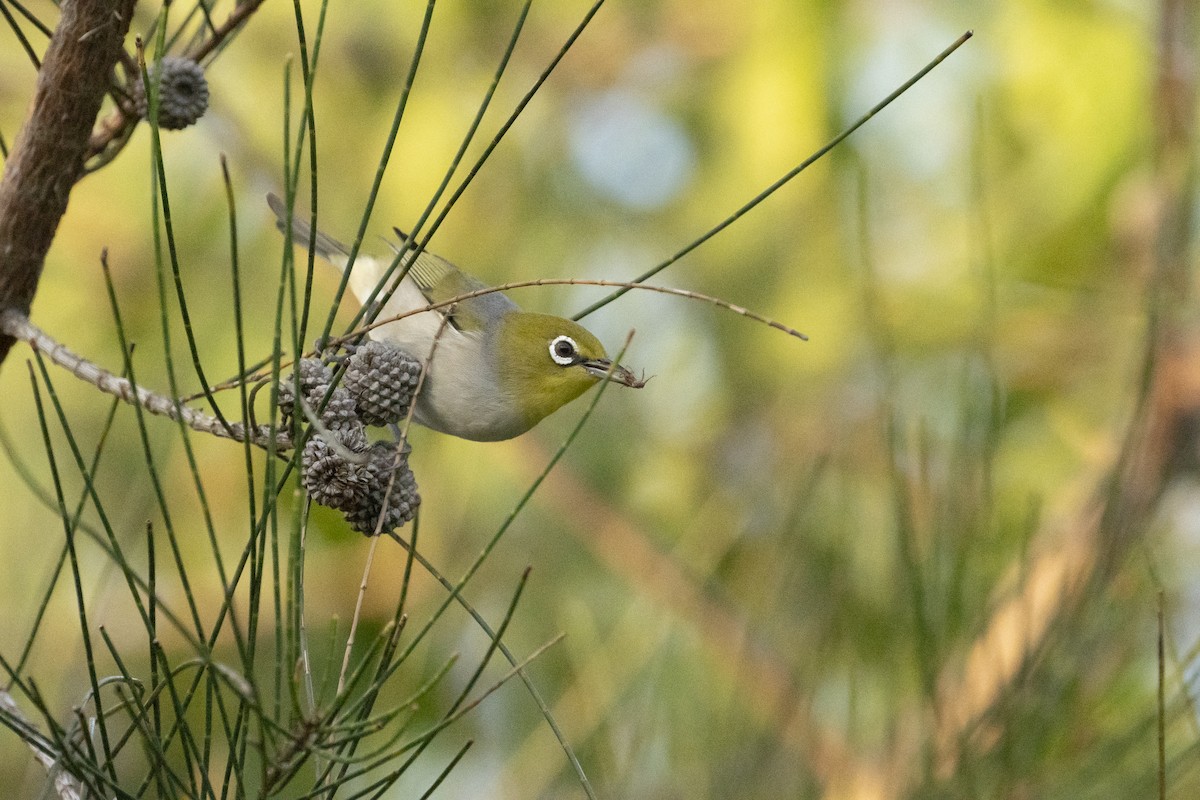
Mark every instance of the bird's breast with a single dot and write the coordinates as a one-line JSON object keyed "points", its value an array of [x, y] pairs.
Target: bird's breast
{"points": [[462, 396]]}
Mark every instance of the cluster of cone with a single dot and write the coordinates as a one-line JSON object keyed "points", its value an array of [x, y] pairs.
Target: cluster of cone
{"points": [[370, 483]]}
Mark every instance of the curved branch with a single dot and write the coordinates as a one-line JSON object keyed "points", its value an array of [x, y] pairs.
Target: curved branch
{"points": [[16, 325]]}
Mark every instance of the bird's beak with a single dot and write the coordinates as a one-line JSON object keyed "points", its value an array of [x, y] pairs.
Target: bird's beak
{"points": [[605, 369]]}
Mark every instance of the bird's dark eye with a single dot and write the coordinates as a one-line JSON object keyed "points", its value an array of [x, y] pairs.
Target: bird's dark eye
{"points": [[564, 351]]}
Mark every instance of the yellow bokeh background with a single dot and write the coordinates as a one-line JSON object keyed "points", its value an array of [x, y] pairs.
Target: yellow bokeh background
{"points": [[721, 547]]}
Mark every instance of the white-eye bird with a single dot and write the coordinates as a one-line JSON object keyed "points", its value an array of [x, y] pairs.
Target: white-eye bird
{"points": [[496, 370]]}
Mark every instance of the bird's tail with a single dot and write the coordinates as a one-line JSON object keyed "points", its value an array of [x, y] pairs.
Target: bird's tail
{"points": [[325, 246]]}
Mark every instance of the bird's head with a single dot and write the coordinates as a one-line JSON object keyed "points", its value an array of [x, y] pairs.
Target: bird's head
{"points": [[544, 362]]}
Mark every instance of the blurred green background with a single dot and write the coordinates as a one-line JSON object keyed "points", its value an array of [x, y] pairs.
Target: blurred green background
{"points": [[894, 561]]}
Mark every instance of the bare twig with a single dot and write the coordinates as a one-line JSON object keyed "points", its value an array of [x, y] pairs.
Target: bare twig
{"points": [[235, 20], [626, 285], [17, 326], [504, 287]]}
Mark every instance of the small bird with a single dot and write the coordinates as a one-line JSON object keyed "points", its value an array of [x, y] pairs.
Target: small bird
{"points": [[496, 370]]}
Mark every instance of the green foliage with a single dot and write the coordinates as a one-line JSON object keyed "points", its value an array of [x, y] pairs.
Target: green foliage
{"points": [[920, 555]]}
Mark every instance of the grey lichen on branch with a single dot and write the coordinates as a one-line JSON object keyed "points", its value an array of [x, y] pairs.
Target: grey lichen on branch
{"points": [[47, 156], [369, 482], [16, 325]]}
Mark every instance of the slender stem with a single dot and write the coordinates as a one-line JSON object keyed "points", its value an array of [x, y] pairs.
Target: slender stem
{"points": [[1162, 702], [770, 190], [240, 13], [81, 606], [370, 308], [20, 34], [381, 169], [64, 783], [362, 592], [625, 285]]}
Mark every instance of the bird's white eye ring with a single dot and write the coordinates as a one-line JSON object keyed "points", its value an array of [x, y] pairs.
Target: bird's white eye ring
{"points": [[564, 351]]}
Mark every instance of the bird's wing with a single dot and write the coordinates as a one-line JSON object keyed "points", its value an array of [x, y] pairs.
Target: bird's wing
{"points": [[436, 278], [439, 281]]}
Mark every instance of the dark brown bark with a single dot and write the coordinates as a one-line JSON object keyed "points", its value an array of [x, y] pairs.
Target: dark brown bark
{"points": [[47, 157]]}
